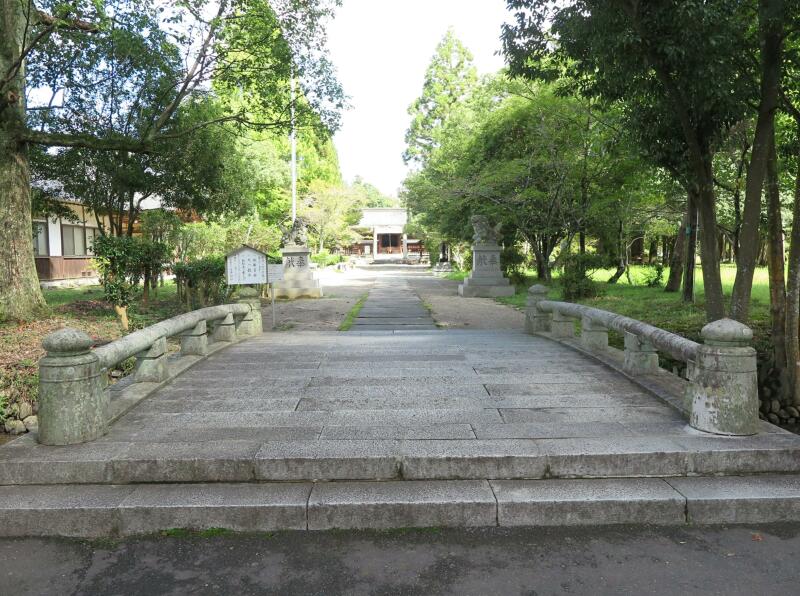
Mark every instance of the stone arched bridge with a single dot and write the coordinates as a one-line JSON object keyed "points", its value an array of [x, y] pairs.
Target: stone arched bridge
{"points": [[397, 423]]}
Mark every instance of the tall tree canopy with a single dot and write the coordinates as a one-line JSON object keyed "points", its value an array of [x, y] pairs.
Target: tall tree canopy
{"points": [[116, 75], [448, 80]]}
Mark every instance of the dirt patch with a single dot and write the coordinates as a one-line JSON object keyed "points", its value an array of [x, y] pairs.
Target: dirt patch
{"points": [[451, 311], [341, 290]]}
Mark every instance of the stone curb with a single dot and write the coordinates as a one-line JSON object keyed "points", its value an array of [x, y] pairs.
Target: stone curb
{"points": [[93, 511]]}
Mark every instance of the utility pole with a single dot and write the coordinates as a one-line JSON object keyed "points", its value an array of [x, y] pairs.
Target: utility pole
{"points": [[293, 140]]}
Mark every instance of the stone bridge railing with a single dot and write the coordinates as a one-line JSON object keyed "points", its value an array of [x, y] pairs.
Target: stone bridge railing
{"points": [[721, 385], [75, 404]]}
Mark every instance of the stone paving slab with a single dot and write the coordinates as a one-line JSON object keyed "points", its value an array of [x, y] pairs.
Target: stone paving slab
{"points": [[238, 507], [358, 327], [740, 499], [85, 511], [588, 502], [401, 505], [599, 414], [529, 430], [433, 431]]}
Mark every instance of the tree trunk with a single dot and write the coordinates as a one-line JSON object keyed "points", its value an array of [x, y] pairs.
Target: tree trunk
{"points": [[652, 252], [775, 262], [690, 250], [771, 17], [622, 264], [122, 315], [146, 289], [793, 289], [542, 261], [709, 254], [676, 259], [20, 294]]}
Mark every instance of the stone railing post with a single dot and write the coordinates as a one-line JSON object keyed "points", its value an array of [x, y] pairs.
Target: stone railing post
{"points": [[226, 329], [594, 336], [536, 320], [73, 407], [723, 390], [251, 324], [195, 341], [562, 326], [641, 357], [151, 364]]}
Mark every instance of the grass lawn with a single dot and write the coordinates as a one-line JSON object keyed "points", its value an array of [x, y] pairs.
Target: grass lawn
{"points": [[81, 308]]}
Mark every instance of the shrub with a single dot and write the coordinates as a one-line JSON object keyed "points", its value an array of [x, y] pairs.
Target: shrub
{"points": [[654, 276], [323, 258], [576, 280], [118, 259], [513, 263], [201, 282]]}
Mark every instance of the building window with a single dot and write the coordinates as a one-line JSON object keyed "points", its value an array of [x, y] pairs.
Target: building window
{"points": [[40, 239], [78, 240], [91, 234]]}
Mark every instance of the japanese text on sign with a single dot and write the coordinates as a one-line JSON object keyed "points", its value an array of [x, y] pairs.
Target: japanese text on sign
{"points": [[246, 266]]}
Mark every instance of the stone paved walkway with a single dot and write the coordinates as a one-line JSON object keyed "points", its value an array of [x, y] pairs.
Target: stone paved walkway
{"points": [[393, 306]]}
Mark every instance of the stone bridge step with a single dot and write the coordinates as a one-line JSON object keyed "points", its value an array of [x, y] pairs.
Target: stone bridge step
{"points": [[89, 511], [228, 460]]}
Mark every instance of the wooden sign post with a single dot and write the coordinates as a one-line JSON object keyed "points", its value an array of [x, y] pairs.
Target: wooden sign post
{"points": [[274, 273]]}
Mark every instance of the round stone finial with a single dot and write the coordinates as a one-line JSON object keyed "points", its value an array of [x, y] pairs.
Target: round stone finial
{"points": [[726, 332], [538, 290], [67, 342]]}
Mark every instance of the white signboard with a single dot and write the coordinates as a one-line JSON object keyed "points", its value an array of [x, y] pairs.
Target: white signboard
{"points": [[246, 266], [274, 273]]}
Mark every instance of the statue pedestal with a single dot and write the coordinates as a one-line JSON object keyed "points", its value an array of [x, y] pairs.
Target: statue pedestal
{"points": [[486, 279], [298, 279], [442, 267]]}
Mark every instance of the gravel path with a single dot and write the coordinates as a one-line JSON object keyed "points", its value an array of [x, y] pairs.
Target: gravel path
{"points": [[454, 312]]}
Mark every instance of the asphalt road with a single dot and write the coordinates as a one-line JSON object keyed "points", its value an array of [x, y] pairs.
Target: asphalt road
{"points": [[736, 560]]}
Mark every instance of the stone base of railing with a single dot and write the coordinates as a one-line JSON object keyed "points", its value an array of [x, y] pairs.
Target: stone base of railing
{"points": [[719, 394], [75, 404]]}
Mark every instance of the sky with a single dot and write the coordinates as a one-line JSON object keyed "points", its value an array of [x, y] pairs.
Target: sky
{"points": [[381, 49]]}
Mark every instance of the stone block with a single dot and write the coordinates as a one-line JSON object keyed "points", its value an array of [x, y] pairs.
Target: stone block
{"points": [[401, 505], [225, 330], [195, 341], [44, 464], [594, 336], [532, 430], [209, 461], [328, 460], [588, 502], [740, 499], [238, 507], [562, 326], [641, 357], [614, 456], [472, 459], [432, 431], [151, 365], [75, 511]]}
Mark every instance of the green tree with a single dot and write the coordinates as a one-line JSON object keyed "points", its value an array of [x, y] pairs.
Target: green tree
{"points": [[68, 47], [674, 64], [449, 78]]}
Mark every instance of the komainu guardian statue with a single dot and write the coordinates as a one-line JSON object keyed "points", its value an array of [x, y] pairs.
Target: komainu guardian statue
{"points": [[484, 232], [297, 234]]}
